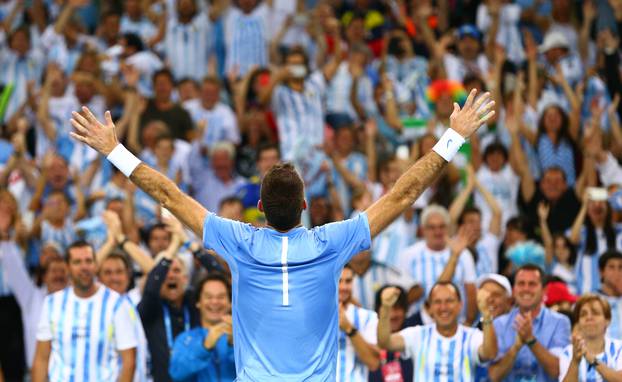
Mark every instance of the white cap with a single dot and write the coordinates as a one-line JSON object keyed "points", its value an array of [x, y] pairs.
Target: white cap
{"points": [[497, 278], [553, 40]]}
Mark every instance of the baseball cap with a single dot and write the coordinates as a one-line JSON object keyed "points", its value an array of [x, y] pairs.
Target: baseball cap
{"points": [[557, 292], [469, 30], [497, 278], [554, 40]]}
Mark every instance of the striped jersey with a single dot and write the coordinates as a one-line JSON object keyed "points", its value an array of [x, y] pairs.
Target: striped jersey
{"points": [[393, 240], [86, 334], [246, 39], [612, 357], [349, 367], [614, 330], [586, 267], [338, 93], [425, 266], [220, 122], [142, 27], [17, 71], [187, 46], [440, 359], [62, 236], [300, 116], [487, 254]]}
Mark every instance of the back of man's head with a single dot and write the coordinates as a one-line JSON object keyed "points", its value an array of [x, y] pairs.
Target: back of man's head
{"points": [[282, 196]]}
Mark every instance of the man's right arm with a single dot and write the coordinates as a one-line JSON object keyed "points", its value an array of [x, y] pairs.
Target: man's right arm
{"points": [[40, 363], [102, 137], [386, 340]]}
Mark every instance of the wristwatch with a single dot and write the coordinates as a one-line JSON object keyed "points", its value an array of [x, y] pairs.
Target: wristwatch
{"points": [[531, 342], [352, 332], [595, 363]]}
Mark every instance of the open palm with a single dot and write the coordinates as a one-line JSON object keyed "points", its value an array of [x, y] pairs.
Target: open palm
{"points": [[466, 120], [89, 130]]}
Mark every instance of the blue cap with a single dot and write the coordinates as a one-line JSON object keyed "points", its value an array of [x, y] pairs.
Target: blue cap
{"points": [[469, 30]]}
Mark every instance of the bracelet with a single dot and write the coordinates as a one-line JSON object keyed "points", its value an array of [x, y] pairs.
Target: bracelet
{"points": [[449, 144], [531, 342], [123, 159]]}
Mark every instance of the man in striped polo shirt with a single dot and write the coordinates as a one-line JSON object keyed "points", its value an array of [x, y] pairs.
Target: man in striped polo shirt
{"points": [[85, 331], [357, 353], [445, 350]]}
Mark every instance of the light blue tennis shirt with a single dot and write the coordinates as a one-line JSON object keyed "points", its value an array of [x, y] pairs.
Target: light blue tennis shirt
{"points": [[285, 304]]}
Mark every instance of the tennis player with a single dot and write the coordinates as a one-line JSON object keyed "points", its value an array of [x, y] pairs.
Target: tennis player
{"points": [[285, 277]]}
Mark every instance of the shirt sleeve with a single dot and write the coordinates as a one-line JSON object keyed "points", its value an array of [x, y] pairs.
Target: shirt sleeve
{"points": [[223, 235], [124, 325], [564, 362], [345, 238], [477, 339], [17, 277], [411, 337], [44, 329], [561, 338], [610, 171], [369, 331], [469, 267]]}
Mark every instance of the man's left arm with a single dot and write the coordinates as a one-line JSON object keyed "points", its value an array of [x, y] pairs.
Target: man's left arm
{"points": [[464, 122]]}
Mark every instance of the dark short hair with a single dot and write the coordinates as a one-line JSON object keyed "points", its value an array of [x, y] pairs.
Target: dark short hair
{"points": [[518, 223], [298, 50], [119, 256], [555, 169], [402, 299], [496, 147], [163, 72], [231, 200], [445, 283], [211, 79], [215, 276], [531, 267], [266, 146], [606, 257], [467, 211], [78, 244], [282, 196], [134, 41], [151, 229]]}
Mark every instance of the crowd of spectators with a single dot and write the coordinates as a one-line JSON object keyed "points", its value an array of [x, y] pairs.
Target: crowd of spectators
{"points": [[507, 268]]}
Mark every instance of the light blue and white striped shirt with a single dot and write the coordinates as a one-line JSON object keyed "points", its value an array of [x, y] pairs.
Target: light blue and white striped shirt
{"points": [[389, 244], [425, 266], [611, 357], [349, 367], [440, 359], [62, 236], [614, 330], [187, 47], [365, 286], [338, 93], [586, 267], [246, 39], [300, 116], [18, 71], [86, 334], [220, 122], [142, 27]]}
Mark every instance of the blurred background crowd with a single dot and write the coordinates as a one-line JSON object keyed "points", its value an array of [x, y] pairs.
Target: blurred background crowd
{"points": [[212, 93]]}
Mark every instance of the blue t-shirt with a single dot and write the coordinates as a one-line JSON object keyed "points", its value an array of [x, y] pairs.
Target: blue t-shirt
{"points": [[285, 289]]}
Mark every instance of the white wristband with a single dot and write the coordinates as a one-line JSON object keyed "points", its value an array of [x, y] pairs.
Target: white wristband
{"points": [[449, 144], [123, 159]]}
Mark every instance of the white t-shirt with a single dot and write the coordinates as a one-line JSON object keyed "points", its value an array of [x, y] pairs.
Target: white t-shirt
{"points": [[612, 357], [457, 68], [504, 186], [349, 367], [86, 334], [438, 358]]}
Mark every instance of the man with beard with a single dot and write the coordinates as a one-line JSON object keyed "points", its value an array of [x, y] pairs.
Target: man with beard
{"points": [[610, 264], [85, 332]]}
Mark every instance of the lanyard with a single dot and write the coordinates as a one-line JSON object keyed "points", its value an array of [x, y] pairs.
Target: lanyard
{"points": [[168, 327]]}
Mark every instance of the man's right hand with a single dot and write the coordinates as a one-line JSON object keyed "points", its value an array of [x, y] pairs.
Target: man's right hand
{"points": [[101, 137], [389, 296]]}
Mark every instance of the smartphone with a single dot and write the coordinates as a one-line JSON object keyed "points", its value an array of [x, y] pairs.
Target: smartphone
{"points": [[597, 193]]}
